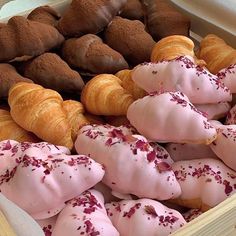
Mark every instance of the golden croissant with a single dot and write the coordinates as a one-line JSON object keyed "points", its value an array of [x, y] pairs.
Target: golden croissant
{"points": [[5, 227], [172, 47], [216, 53], [9, 129], [40, 111], [129, 85], [104, 95], [75, 115]]}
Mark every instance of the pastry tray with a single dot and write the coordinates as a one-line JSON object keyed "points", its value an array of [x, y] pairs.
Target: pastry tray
{"points": [[221, 220]]}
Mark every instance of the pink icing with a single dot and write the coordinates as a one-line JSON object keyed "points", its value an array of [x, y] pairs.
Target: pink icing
{"points": [[231, 116], [41, 181], [183, 75], [170, 117], [225, 145], [214, 111], [47, 225], [188, 151], [144, 217], [132, 165], [228, 77], [85, 215], [209, 180]]}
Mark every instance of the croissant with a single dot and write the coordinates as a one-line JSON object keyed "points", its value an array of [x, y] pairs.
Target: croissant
{"points": [[129, 38], [216, 53], [104, 95], [40, 111], [44, 14], [173, 46], [75, 115], [129, 85], [24, 38], [164, 20], [8, 77], [91, 54], [9, 129], [88, 16], [50, 71]]}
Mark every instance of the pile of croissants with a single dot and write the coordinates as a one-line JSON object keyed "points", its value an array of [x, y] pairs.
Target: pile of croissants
{"points": [[97, 63]]}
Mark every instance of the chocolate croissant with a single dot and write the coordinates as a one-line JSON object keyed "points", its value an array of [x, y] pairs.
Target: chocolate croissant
{"points": [[9, 77], [216, 53], [172, 47], [90, 54], [164, 20], [130, 39], [88, 16], [24, 38], [50, 71], [40, 111], [44, 14], [104, 95], [133, 10], [9, 129]]}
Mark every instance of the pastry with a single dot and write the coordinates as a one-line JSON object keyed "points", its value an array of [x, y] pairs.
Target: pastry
{"points": [[144, 173], [44, 14], [192, 214], [129, 38], [75, 115], [129, 85], [50, 71], [9, 129], [181, 74], [170, 117], [189, 151], [54, 178], [5, 228], [133, 10], [231, 116], [47, 225], [88, 16], [225, 144], [228, 77], [85, 215], [172, 47], [104, 95], [216, 53], [164, 20], [9, 77], [21, 37], [214, 111], [144, 217], [204, 183], [90, 54], [40, 111]]}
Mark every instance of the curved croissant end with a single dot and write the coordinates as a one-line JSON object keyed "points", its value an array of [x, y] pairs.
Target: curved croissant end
{"points": [[104, 95]]}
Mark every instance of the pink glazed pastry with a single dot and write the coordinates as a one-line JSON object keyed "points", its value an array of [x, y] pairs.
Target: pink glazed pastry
{"points": [[85, 215], [214, 111], [47, 225], [144, 217], [228, 77], [225, 145], [204, 183], [192, 214], [132, 165], [231, 116], [41, 181], [170, 117], [189, 151], [181, 74]]}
